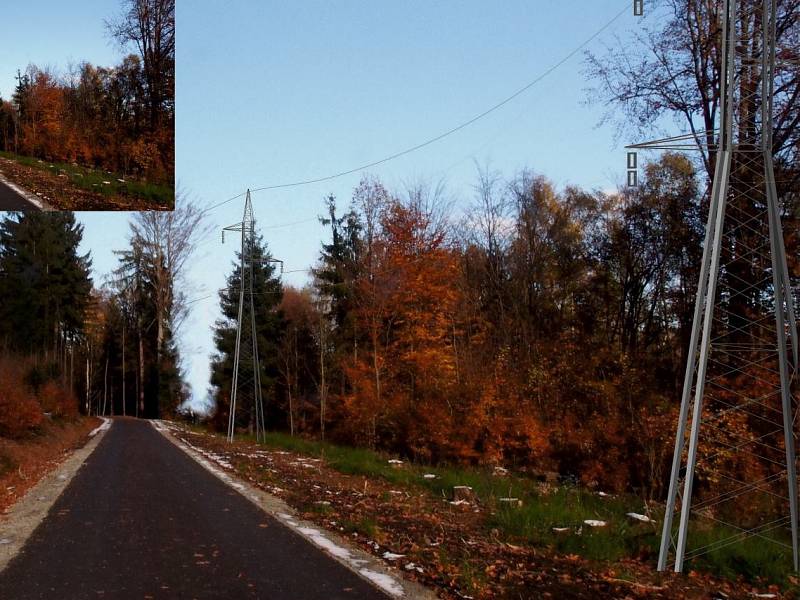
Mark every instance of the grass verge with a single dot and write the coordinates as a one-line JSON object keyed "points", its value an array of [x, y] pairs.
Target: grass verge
{"points": [[101, 182], [553, 516]]}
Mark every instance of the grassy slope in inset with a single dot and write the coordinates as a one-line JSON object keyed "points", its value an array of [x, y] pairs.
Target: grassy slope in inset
{"points": [[101, 182]]}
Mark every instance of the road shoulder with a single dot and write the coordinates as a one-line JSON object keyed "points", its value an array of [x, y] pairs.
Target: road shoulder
{"points": [[356, 560], [22, 518], [34, 200]]}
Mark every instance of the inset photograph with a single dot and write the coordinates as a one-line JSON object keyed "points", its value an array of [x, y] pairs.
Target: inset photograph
{"points": [[87, 105]]}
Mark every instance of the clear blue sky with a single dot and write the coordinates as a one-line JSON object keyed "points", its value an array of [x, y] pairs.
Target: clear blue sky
{"points": [[54, 33], [269, 92]]}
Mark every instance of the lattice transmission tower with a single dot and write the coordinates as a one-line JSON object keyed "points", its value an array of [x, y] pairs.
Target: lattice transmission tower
{"points": [[734, 473], [246, 390]]}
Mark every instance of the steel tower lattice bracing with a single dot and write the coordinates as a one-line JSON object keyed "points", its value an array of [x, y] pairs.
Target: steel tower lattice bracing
{"points": [[246, 393], [734, 474]]}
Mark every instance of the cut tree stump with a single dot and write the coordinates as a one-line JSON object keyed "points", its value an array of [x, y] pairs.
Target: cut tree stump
{"points": [[463, 492]]}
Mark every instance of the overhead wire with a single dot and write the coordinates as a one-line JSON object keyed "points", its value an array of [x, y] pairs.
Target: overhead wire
{"points": [[416, 147], [443, 135], [291, 224], [387, 271], [206, 297]]}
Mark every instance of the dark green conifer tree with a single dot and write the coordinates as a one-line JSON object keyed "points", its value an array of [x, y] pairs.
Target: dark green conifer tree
{"points": [[44, 282], [267, 293]]}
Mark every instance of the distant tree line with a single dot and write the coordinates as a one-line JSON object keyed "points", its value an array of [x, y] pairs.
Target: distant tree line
{"points": [[45, 292], [109, 349], [139, 312], [544, 330], [548, 328]]}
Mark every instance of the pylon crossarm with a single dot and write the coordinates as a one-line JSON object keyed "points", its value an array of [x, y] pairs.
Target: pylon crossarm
{"points": [[685, 141]]}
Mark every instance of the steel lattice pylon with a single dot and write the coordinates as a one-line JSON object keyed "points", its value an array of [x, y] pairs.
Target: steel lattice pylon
{"points": [[737, 411], [246, 384]]}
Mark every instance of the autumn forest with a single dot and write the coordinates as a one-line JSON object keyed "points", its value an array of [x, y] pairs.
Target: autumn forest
{"points": [[545, 331], [526, 338], [118, 120], [541, 328]]}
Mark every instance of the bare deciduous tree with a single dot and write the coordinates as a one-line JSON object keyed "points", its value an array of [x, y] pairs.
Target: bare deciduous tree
{"points": [[169, 239], [150, 26], [672, 70]]}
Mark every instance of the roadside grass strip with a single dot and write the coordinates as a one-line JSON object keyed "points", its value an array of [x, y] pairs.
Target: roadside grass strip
{"points": [[102, 182], [562, 516]]}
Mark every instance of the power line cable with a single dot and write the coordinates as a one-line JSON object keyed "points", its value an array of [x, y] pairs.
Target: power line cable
{"points": [[193, 300], [293, 223], [379, 272], [443, 135]]}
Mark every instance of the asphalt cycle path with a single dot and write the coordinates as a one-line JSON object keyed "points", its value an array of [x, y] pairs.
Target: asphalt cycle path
{"points": [[141, 519], [12, 200]]}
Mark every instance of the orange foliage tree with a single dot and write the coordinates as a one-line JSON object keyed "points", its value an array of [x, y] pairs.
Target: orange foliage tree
{"points": [[94, 116], [545, 331], [19, 410]]}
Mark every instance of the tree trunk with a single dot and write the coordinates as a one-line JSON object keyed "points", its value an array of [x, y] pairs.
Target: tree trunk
{"points": [[71, 367], [322, 382], [140, 403], [296, 376], [124, 412], [105, 388], [88, 407], [291, 410]]}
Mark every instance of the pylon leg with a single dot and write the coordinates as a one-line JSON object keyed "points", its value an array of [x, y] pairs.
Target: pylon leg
{"points": [[259, 409], [691, 362], [235, 382], [786, 398], [720, 200]]}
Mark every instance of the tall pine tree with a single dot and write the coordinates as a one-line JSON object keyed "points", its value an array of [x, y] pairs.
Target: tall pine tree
{"points": [[338, 269], [44, 282], [267, 294]]}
